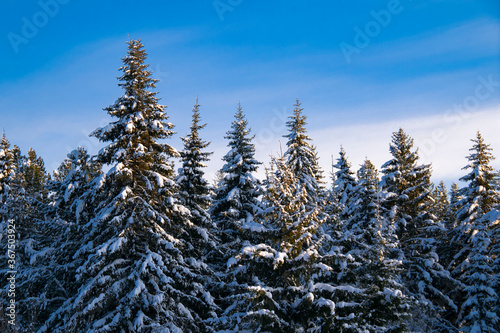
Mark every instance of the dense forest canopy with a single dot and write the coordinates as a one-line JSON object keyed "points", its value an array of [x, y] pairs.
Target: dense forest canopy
{"points": [[123, 242]]}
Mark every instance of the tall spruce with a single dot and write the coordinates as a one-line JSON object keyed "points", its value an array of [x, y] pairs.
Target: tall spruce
{"points": [[25, 204], [235, 212], [369, 281], [301, 156], [194, 191], [277, 273], [441, 206], [7, 170], [475, 238], [236, 199], [344, 185], [135, 276], [408, 200], [481, 194]]}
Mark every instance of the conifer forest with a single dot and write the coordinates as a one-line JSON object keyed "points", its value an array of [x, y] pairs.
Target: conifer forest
{"points": [[123, 241]]}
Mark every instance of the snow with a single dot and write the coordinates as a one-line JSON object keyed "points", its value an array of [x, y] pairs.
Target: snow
{"points": [[253, 226], [94, 303], [389, 294], [184, 311], [280, 258], [231, 262], [326, 303], [139, 287]]}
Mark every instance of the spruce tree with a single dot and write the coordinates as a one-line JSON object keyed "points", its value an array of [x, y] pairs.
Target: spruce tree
{"points": [[475, 237], [25, 203], [194, 191], [134, 276], [364, 272], [481, 194], [440, 209], [455, 198], [479, 311], [277, 272], [70, 181], [49, 279], [301, 156], [344, 185], [236, 200], [7, 170], [408, 200], [234, 211]]}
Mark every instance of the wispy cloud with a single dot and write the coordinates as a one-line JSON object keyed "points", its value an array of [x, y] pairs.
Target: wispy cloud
{"points": [[442, 142]]}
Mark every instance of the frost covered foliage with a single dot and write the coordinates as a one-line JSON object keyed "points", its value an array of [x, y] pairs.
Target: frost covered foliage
{"points": [[278, 293], [24, 202], [343, 185], [481, 194], [363, 266], [70, 181], [234, 210], [194, 192], [236, 200], [134, 276], [7, 169], [301, 156], [476, 237], [408, 200]]}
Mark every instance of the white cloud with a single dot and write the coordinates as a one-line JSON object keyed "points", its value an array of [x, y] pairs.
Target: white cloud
{"points": [[442, 142]]}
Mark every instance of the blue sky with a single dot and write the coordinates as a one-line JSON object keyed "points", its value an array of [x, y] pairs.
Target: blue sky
{"points": [[361, 70]]}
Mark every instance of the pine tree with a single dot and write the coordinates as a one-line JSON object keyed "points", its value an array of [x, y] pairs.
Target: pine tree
{"points": [[481, 194], [344, 185], [25, 203], [235, 209], [134, 276], [474, 236], [364, 273], [479, 311], [194, 190], [455, 198], [236, 201], [441, 206], [331, 228], [49, 278], [277, 272], [301, 156], [407, 185], [70, 181], [7, 170], [409, 201]]}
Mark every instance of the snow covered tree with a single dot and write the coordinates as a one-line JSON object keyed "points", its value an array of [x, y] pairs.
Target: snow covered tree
{"points": [[70, 181], [35, 176], [134, 276], [25, 203], [474, 240], [344, 185], [408, 200], [234, 210], [277, 272], [7, 170], [301, 156], [47, 278], [236, 199], [455, 198], [441, 206], [479, 311], [407, 185], [481, 194], [194, 190], [363, 269]]}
